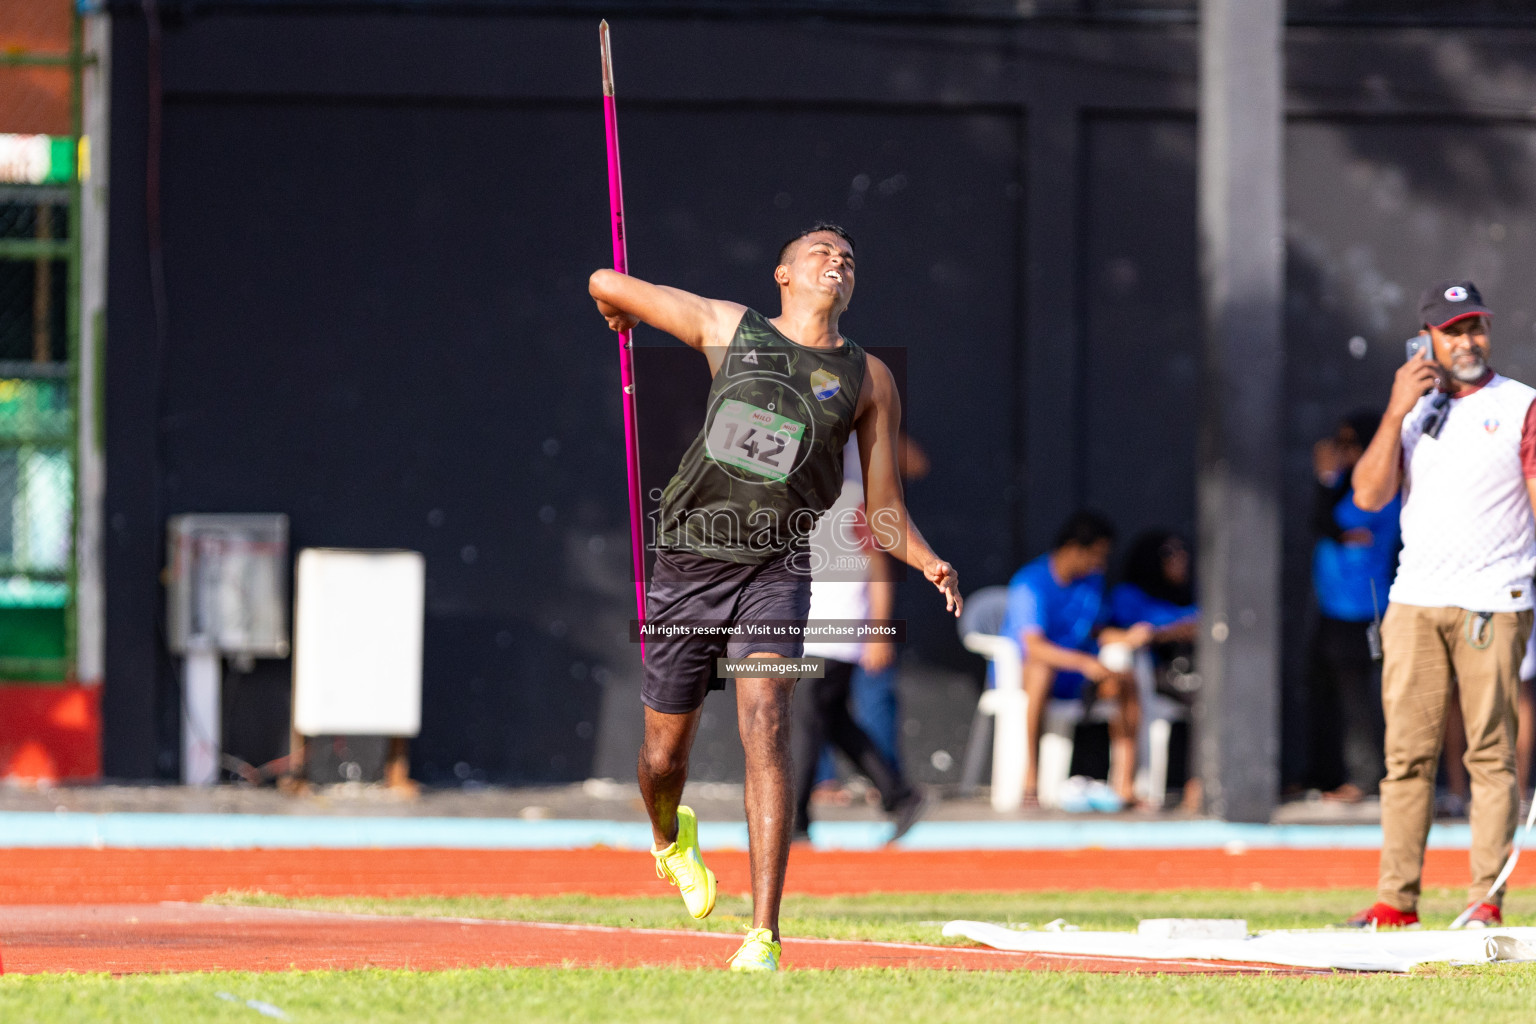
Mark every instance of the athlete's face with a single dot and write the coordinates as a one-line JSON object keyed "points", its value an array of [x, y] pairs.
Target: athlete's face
{"points": [[822, 265]]}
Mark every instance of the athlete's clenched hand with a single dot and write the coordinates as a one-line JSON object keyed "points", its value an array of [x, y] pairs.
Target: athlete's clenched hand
{"points": [[942, 575], [617, 319]]}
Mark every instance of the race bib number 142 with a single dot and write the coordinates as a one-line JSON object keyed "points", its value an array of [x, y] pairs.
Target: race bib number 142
{"points": [[754, 440]]}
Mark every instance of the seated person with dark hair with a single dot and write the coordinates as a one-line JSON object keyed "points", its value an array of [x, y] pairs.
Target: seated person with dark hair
{"points": [[1157, 588], [1058, 613]]}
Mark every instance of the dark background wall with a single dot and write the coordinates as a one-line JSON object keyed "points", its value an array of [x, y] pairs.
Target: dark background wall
{"points": [[377, 228]]}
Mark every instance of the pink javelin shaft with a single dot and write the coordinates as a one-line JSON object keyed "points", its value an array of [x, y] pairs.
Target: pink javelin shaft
{"points": [[626, 350]]}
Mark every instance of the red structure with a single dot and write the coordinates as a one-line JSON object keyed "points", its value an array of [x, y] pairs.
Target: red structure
{"points": [[50, 733]]}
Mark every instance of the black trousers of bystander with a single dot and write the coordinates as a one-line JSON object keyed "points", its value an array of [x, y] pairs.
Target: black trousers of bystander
{"points": [[821, 716], [1345, 703]]}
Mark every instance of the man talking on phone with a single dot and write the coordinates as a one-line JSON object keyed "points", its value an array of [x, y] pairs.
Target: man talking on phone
{"points": [[1459, 441]]}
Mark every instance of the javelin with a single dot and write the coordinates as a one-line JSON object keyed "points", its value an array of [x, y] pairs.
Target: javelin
{"points": [[626, 359]]}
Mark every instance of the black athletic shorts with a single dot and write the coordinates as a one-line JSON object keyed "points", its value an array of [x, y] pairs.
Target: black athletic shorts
{"points": [[691, 588]]}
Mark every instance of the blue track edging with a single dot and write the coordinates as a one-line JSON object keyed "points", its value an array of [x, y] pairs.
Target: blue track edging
{"points": [[271, 831]]}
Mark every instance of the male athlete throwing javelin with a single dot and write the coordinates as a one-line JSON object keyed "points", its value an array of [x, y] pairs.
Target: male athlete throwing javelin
{"points": [[731, 541]]}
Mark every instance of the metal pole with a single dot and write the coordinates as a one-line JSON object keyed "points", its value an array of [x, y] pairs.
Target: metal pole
{"points": [[202, 740], [87, 334], [42, 289], [72, 333], [1242, 254]]}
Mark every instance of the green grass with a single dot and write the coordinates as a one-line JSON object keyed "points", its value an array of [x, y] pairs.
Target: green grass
{"points": [[1432, 995], [910, 917], [1484, 994]]}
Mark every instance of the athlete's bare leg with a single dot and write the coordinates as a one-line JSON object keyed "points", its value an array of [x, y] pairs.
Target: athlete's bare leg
{"points": [[1123, 730], [1038, 679], [763, 716], [663, 768]]}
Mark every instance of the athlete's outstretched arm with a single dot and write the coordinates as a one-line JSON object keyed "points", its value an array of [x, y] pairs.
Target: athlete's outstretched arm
{"points": [[694, 320], [878, 425]]}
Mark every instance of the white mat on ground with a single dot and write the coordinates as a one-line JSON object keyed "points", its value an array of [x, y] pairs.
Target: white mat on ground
{"points": [[1397, 950]]}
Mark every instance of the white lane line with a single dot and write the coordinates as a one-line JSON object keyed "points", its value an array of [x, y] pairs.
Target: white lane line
{"points": [[605, 929]]}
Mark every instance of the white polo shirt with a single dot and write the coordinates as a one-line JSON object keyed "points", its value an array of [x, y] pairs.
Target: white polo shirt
{"points": [[840, 586], [1469, 539]]}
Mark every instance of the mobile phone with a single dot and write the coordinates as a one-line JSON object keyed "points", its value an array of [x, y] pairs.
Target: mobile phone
{"points": [[1417, 344]]}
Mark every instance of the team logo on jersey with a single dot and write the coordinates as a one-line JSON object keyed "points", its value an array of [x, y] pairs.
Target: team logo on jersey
{"points": [[824, 385], [1490, 424], [1456, 293]]}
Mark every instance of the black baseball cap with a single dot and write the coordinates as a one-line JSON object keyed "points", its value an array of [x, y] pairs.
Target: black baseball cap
{"points": [[1443, 304]]}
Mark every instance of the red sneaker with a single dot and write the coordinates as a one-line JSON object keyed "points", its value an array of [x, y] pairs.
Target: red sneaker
{"points": [[1383, 915], [1486, 915]]}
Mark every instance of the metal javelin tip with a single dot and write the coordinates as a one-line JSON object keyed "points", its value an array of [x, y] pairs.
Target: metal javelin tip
{"points": [[607, 51]]}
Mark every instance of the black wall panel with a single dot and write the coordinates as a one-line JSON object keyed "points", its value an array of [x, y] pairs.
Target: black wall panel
{"points": [[1141, 345], [377, 228]]}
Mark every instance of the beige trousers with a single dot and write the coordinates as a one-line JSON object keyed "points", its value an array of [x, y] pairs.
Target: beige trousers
{"points": [[1423, 650]]}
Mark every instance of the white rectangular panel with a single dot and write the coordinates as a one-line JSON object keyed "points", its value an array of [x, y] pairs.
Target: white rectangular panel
{"points": [[357, 642]]}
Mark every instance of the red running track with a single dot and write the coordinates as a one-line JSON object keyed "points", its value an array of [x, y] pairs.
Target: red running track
{"points": [[105, 910], [64, 876], [137, 938]]}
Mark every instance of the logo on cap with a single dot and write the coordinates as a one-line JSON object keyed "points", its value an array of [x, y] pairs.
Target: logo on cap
{"points": [[1456, 293]]}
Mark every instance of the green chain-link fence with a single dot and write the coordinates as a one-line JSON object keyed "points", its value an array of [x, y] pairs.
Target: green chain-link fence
{"points": [[40, 64]]}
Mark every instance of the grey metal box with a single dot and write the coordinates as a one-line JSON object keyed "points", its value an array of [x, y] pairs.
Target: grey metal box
{"points": [[227, 584]]}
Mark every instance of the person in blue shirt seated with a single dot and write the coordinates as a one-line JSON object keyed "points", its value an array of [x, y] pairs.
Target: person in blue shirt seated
{"points": [[1058, 613], [1353, 558], [1157, 587]]}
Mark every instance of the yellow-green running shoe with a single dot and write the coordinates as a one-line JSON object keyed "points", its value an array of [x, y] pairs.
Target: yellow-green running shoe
{"points": [[758, 953], [683, 865]]}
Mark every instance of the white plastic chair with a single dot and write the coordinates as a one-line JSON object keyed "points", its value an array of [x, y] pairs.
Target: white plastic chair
{"points": [[1008, 708], [1001, 710], [1005, 709], [1158, 713], [1058, 735]]}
